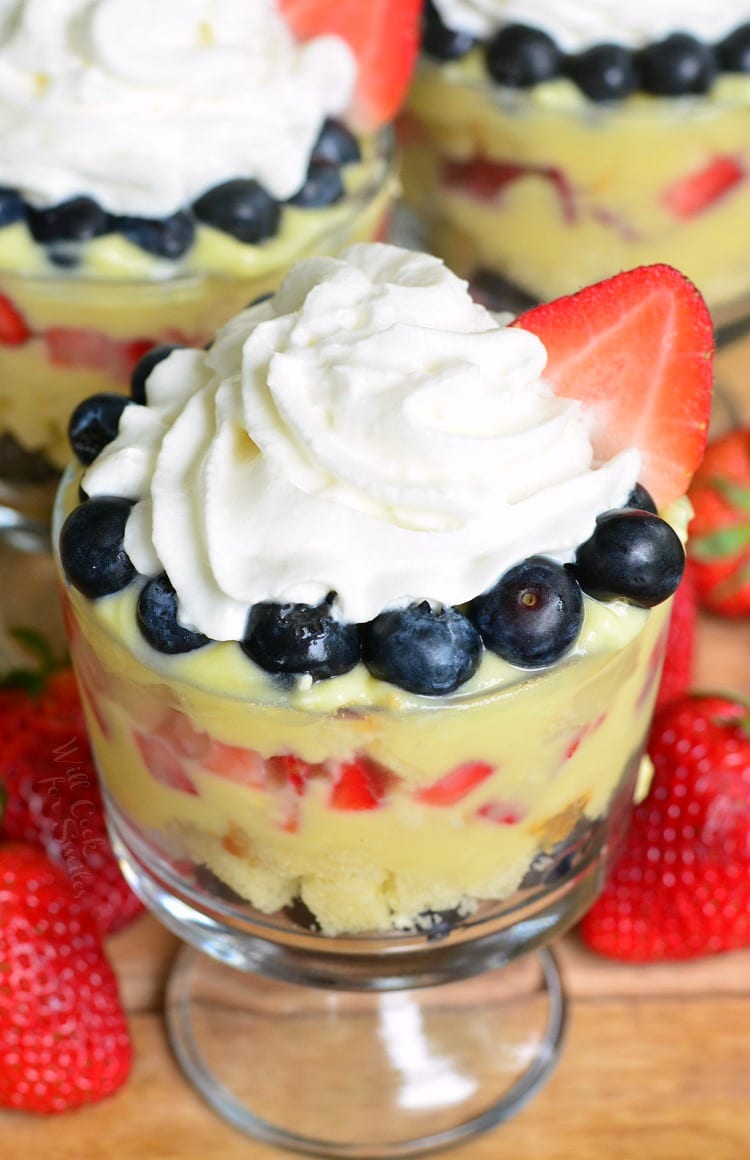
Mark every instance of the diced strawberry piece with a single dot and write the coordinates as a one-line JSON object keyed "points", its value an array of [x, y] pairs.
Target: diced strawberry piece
{"points": [[75, 347], [501, 813], [700, 190], [133, 352], [181, 735], [454, 786], [163, 763], [235, 763], [636, 349], [361, 784], [580, 736], [290, 770], [13, 328], [382, 34], [485, 179]]}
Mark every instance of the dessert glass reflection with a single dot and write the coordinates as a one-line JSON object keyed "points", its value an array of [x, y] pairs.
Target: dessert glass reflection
{"points": [[549, 145], [147, 196], [329, 757]]}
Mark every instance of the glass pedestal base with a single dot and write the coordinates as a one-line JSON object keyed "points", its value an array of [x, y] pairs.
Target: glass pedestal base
{"points": [[340, 1073]]}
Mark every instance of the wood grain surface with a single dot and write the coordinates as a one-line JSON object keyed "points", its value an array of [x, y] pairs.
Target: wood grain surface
{"points": [[656, 1064]]}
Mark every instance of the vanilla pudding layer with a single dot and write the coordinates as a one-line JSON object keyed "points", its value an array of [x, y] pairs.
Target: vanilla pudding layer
{"points": [[583, 190], [86, 328], [219, 765]]}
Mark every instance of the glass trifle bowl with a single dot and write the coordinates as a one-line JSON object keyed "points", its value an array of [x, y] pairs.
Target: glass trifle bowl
{"points": [[363, 811], [551, 145], [148, 193]]}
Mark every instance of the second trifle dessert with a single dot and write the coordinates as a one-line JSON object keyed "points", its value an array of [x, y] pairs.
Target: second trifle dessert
{"points": [[368, 600], [161, 165], [554, 142]]}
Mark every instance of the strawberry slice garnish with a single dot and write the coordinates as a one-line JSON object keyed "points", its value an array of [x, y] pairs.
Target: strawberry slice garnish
{"points": [[454, 786], [361, 784], [700, 190], [637, 350], [382, 34], [13, 328]]}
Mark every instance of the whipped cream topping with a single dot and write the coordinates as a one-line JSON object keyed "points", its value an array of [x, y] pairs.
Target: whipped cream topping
{"points": [[369, 430], [146, 104], [577, 24]]}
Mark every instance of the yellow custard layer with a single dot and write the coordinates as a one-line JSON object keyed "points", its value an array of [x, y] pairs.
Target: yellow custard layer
{"points": [[471, 788], [602, 183], [86, 327]]}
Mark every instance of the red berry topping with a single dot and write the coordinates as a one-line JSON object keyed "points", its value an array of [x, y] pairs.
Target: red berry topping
{"points": [[382, 34], [636, 349]]}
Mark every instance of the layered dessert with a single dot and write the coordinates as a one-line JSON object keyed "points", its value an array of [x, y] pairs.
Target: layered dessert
{"points": [[368, 600], [161, 165], [551, 143]]}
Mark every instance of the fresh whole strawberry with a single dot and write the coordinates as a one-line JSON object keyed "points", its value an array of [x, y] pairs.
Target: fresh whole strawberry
{"points": [[637, 350], [63, 1035], [384, 37], [681, 887], [52, 797], [719, 544], [677, 672]]}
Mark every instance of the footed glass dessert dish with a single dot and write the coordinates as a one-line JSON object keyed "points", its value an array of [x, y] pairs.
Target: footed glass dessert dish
{"points": [[352, 904], [368, 602]]}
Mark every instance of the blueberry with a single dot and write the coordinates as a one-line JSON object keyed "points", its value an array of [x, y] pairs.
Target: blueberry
{"points": [[641, 499], [94, 423], [144, 367], [532, 615], [156, 616], [91, 547], [242, 208], [633, 555], [11, 206], [77, 220], [300, 638], [677, 65], [606, 72], [163, 237], [441, 42], [519, 57], [336, 145], [323, 186], [734, 50], [420, 650]]}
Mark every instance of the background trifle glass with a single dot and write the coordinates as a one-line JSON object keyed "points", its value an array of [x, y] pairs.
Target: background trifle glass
{"points": [[548, 146], [159, 169], [364, 811]]}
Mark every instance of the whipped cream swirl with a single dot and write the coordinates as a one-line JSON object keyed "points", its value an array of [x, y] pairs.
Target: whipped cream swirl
{"points": [[369, 430], [146, 104], [577, 24]]}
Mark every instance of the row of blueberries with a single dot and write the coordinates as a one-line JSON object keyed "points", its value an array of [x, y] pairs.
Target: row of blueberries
{"points": [[519, 56], [531, 617], [241, 207]]}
